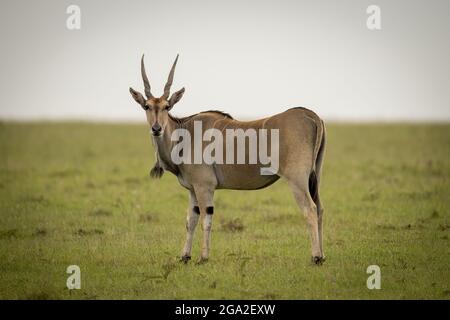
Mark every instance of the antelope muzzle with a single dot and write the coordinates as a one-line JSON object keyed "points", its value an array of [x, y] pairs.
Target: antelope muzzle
{"points": [[156, 130]]}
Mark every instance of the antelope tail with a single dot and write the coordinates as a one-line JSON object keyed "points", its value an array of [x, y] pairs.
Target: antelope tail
{"points": [[319, 145], [319, 149]]}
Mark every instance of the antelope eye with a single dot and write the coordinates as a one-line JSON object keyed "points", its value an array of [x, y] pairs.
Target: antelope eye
{"points": [[146, 107]]}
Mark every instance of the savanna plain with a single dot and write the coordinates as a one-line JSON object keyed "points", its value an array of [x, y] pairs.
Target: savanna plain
{"points": [[80, 194]]}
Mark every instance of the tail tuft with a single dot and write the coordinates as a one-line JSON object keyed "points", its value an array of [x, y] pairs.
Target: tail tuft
{"points": [[156, 172]]}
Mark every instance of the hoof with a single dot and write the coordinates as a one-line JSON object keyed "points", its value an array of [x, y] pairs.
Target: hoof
{"points": [[318, 260], [202, 261], [185, 259]]}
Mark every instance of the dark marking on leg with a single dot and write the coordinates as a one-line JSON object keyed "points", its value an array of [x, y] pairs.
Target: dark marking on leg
{"points": [[196, 209], [209, 210], [185, 259], [318, 260]]}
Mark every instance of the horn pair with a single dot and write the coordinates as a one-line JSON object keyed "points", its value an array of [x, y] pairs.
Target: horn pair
{"points": [[168, 83]]}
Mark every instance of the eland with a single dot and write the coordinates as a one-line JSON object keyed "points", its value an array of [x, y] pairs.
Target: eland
{"points": [[300, 148]]}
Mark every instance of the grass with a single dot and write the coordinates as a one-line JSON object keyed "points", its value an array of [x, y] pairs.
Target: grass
{"points": [[77, 193]]}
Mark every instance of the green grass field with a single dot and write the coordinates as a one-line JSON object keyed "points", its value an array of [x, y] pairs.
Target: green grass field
{"points": [[77, 193]]}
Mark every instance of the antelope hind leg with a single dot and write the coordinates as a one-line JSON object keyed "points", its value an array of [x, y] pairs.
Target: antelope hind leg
{"points": [[309, 209]]}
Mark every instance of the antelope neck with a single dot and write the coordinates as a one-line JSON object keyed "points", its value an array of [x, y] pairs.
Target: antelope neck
{"points": [[164, 146]]}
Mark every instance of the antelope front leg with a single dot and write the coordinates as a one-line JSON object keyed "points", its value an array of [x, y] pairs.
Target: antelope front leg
{"points": [[205, 202], [191, 222]]}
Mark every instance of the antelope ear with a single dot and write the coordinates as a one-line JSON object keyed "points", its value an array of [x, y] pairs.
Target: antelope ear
{"points": [[138, 97], [176, 96]]}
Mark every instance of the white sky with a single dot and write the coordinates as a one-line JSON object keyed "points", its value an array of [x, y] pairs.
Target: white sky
{"points": [[249, 59]]}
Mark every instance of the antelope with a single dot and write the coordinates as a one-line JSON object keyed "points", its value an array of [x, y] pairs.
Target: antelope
{"points": [[301, 151]]}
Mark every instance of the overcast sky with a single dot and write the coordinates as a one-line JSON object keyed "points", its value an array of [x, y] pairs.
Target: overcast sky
{"points": [[248, 58]]}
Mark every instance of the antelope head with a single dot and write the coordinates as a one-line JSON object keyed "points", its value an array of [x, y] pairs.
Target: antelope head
{"points": [[157, 109]]}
